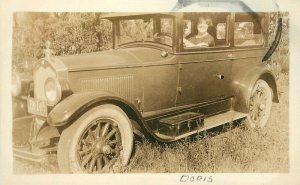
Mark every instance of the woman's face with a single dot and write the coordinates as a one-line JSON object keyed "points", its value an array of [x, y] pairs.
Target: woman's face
{"points": [[202, 26]]}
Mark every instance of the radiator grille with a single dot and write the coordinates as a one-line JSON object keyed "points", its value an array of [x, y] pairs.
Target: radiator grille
{"points": [[122, 85], [40, 76]]}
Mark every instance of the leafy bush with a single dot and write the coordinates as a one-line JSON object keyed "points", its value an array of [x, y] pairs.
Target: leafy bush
{"points": [[69, 33]]}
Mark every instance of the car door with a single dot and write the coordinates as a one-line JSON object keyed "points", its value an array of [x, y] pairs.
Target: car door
{"points": [[205, 72], [160, 70], [160, 83]]}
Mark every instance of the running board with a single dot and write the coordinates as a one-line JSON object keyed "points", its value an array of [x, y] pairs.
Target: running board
{"points": [[209, 122], [180, 124], [37, 156]]}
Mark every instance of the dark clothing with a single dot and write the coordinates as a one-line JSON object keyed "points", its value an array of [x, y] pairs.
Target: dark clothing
{"points": [[207, 39]]}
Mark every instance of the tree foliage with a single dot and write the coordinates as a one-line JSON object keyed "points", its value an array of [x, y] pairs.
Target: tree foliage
{"points": [[69, 33]]}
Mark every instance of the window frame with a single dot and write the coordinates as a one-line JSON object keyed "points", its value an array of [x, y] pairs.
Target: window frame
{"points": [[264, 27], [201, 49], [230, 34], [117, 35]]}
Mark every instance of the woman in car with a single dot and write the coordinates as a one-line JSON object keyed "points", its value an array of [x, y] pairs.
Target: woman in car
{"points": [[202, 38]]}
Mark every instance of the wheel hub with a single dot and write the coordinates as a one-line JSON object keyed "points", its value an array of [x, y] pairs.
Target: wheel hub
{"points": [[106, 149], [102, 148], [98, 147], [261, 106]]}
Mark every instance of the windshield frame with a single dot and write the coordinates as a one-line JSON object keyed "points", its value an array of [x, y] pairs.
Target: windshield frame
{"points": [[116, 31]]}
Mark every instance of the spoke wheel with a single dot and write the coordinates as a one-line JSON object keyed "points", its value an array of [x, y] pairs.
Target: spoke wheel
{"points": [[97, 142], [260, 104], [100, 146]]}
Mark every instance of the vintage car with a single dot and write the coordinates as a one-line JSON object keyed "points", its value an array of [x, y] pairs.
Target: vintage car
{"points": [[153, 83]]}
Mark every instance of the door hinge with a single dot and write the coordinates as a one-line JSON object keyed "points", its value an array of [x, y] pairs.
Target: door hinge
{"points": [[139, 104], [179, 90], [180, 66]]}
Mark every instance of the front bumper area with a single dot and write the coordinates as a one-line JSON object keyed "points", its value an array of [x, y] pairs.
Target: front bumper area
{"points": [[31, 144], [37, 156]]}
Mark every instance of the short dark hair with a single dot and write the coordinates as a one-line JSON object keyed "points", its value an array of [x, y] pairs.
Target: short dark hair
{"points": [[208, 20]]}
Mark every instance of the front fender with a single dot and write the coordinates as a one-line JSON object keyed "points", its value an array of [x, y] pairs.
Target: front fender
{"points": [[244, 82], [78, 103], [75, 105]]}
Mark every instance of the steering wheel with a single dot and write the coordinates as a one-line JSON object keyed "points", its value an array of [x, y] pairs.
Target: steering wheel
{"points": [[158, 35]]}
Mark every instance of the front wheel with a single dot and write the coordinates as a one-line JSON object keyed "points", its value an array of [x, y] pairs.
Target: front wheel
{"points": [[98, 141], [260, 104]]}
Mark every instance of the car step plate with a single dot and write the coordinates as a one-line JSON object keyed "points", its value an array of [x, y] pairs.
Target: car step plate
{"points": [[208, 123], [180, 124]]}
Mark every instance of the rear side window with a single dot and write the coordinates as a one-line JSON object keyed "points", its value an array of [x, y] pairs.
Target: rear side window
{"points": [[221, 31], [205, 30], [166, 32], [248, 30]]}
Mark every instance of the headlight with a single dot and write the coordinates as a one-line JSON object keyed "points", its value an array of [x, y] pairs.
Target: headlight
{"points": [[52, 91], [16, 86]]}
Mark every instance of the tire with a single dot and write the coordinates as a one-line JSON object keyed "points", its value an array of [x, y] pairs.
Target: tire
{"points": [[260, 104], [99, 141]]}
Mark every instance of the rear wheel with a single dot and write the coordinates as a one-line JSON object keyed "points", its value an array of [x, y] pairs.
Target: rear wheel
{"points": [[97, 142], [260, 104]]}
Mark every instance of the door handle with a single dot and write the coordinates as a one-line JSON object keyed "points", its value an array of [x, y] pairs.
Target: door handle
{"points": [[220, 76]]}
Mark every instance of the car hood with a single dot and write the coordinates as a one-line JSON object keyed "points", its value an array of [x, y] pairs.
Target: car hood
{"points": [[118, 58]]}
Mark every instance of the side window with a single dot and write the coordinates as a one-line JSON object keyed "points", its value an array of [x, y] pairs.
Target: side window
{"points": [[248, 30], [166, 31], [187, 28], [221, 31], [133, 30], [205, 30], [166, 26]]}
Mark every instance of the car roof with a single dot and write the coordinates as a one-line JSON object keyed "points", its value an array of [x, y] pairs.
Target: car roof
{"points": [[136, 14], [226, 6]]}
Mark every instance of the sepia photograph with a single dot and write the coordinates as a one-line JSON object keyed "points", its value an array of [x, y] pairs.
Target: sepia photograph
{"points": [[200, 89], [99, 90]]}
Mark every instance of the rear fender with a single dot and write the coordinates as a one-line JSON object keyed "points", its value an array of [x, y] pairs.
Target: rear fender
{"points": [[244, 82]]}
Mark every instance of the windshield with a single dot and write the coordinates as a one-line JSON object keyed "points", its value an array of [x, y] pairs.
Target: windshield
{"points": [[158, 30]]}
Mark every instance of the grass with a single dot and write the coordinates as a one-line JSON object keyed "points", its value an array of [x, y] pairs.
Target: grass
{"points": [[222, 150], [235, 150]]}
